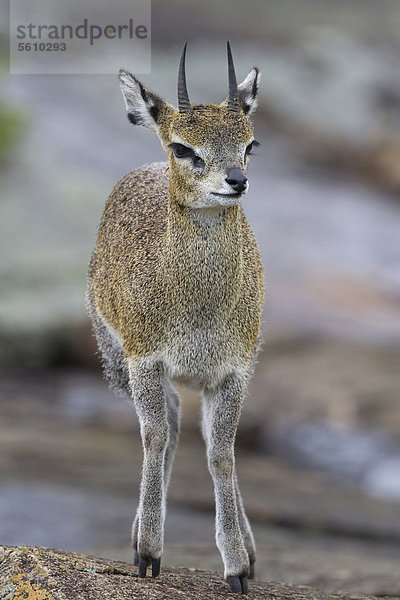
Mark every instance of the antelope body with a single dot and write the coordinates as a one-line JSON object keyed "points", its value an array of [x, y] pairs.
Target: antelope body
{"points": [[175, 293]]}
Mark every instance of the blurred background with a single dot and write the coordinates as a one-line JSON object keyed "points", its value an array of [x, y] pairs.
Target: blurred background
{"points": [[319, 442]]}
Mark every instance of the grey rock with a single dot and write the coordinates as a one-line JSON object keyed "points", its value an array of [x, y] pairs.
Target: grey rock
{"points": [[48, 574]]}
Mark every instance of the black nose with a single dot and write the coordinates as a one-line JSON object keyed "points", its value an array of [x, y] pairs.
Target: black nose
{"points": [[237, 179]]}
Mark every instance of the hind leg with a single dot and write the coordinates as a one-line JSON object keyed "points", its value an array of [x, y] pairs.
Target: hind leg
{"points": [[245, 528], [173, 418]]}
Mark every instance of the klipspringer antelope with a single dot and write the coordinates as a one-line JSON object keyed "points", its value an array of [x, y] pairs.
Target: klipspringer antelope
{"points": [[175, 293]]}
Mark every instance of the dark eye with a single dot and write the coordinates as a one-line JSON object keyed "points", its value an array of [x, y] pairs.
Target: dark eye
{"points": [[181, 151], [251, 146]]}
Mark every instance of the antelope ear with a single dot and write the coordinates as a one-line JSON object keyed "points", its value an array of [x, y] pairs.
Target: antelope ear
{"points": [[143, 106], [247, 92]]}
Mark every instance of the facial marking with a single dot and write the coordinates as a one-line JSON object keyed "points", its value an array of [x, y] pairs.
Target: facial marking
{"points": [[182, 150]]}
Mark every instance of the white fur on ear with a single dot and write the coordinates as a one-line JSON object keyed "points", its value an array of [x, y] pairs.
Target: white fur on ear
{"points": [[143, 107], [247, 91]]}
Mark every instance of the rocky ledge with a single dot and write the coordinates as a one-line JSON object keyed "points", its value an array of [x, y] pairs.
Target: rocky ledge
{"points": [[35, 573]]}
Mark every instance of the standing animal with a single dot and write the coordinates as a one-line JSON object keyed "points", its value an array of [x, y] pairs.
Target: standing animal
{"points": [[175, 293]]}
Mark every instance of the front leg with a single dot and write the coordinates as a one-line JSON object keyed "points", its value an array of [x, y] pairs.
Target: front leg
{"points": [[148, 394], [221, 413], [173, 417]]}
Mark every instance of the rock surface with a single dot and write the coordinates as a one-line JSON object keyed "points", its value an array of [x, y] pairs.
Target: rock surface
{"points": [[45, 574]]}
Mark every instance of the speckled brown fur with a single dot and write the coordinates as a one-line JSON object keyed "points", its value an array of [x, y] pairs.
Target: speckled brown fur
{"points": [[139, 261]]}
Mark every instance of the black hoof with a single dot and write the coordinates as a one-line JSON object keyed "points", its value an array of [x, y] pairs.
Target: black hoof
{"points": [[237, 584], [136, 558], [143, 564], [234, 584], [146, 561], [252, 571], [155, 567]]}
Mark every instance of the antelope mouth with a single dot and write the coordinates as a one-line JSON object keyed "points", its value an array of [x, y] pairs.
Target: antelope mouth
{"points": [[234, 195]]}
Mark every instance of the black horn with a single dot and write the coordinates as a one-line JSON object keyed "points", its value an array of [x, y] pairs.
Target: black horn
{"points": [[183, 97], [233, 103]]}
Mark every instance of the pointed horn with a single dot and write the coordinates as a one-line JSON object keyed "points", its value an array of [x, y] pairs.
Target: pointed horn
{"points": [[183, 97], [233, 103]]}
